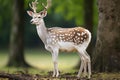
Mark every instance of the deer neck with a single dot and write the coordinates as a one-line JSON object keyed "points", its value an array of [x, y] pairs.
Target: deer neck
{"points": [[42, 31]]}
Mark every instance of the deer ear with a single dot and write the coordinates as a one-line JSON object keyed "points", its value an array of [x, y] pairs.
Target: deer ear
{"points": [[43, 13], [30, 13]]}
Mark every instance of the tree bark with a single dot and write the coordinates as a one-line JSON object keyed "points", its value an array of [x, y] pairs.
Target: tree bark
{"points": [[107, 51], [16, 56]]}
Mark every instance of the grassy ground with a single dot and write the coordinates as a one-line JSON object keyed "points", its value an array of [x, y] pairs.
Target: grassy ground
{"points": [[43, 59], [43, 62]]}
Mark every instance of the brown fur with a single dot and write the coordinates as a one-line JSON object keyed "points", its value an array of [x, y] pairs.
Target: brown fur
{"points": [[76, 35]]}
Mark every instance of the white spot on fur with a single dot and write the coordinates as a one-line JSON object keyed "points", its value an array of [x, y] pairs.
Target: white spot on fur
{"points": [[85, 36], [82, 33], [78, 34], [81, 38]]}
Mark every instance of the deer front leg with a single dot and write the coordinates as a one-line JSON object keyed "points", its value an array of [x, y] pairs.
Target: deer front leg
{"points": [[55, 62]]}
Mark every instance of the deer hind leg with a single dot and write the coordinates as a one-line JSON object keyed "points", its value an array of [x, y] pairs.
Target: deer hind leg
{"points": [[55, 62], [85, 69], [89, 64], [81, 67], [83, 63]]}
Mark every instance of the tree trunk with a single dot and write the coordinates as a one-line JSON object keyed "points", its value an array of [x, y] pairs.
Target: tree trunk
{"points": [[16, 56], [107, 51]]}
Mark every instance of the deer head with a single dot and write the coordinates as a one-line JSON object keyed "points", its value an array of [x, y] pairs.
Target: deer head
{"points": [[37, 17]]}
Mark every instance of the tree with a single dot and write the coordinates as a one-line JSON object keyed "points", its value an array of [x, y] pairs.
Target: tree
{"points": [[107, 52], [16, 56]]}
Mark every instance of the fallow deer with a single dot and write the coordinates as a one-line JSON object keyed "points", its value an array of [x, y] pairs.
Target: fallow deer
{"points": [[58, 39]]}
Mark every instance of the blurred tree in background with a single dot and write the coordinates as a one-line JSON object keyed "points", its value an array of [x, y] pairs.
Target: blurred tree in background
{"points": [[16, 55]]}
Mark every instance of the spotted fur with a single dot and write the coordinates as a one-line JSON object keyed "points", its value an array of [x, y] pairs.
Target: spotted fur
{"points": [[76, 35]]}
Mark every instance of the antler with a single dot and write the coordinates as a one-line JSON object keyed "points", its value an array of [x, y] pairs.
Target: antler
{"points": [[48, 4], [33, 6]]}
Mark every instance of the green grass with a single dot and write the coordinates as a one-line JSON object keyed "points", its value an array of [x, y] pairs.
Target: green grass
{"points": [[3, 57], [43, 60]]}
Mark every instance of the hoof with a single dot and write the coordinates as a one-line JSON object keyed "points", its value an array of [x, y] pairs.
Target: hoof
{"points": [[78, 76], [57, 75], [89, 77], [53, 75]]}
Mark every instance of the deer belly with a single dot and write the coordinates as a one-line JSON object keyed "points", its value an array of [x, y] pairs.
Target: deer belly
{"points": [[66, 47]]}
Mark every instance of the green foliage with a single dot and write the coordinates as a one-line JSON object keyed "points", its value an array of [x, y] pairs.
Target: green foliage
{"points": [[62, 13], [70, 9]]}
